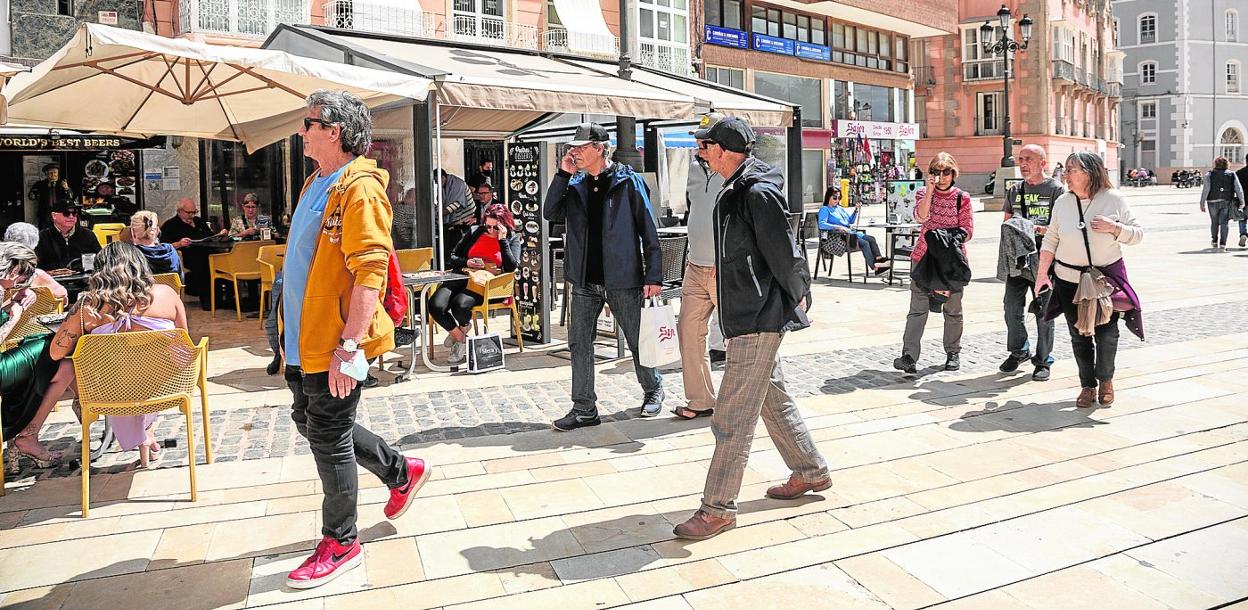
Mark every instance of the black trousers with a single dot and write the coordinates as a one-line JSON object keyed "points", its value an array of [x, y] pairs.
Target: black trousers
{"points": [[337, 444], [451, 304], [1095, 355]]}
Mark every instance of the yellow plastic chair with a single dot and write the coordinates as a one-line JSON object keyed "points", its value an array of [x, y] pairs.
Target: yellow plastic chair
{"points": [[137, 373], [107, 231], [415, 259], [239, 264], [271, 259], [171, 280], [500, 294], [45, 303]]}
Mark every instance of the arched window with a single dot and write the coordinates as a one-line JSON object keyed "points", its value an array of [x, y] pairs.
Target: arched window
{"points": [[1148, 73], [1231, 145], [1232, 25], [1233, 76], [1147, 28]]}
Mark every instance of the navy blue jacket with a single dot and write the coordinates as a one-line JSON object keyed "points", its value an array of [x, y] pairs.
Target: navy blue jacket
{"points": [[631, 256]]}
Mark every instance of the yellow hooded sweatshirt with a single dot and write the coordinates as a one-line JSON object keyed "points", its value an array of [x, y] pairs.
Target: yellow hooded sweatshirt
{"points": [[353, 248]]}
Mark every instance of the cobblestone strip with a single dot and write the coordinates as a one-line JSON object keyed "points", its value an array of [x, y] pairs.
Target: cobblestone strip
{"points": [[245, 434]]}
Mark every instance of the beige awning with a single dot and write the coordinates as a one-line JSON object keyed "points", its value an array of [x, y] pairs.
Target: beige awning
{"points": [[118, 81], [480, 79], [759, 111]]}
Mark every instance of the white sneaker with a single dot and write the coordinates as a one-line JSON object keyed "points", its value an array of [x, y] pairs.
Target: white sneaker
{"points": [[449, 341], [459, 352], [1243, 240]]}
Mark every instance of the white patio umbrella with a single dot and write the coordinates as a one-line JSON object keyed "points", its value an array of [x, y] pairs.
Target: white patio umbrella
{"points": [[123, 82]]}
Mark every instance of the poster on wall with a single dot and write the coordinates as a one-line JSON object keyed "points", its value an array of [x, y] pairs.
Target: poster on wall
{"points": [[899, 206], [524, 196]]}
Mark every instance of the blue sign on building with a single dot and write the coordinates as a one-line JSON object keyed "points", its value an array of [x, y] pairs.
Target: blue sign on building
{"points": [[813, 51], [771, 44], [727, 37]]}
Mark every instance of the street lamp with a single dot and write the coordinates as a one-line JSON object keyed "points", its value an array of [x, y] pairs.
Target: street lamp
{"points": [[1006, 45]]}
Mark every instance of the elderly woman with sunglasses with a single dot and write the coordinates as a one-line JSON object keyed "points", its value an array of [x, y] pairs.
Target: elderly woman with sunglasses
{"points": [[491, 246]]}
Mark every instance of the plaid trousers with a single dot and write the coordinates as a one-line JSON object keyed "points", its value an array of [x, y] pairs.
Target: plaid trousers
{"points": [[753, 384]]}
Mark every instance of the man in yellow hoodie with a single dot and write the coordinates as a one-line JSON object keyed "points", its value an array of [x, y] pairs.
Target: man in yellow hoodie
{"points": [[333, 323]]}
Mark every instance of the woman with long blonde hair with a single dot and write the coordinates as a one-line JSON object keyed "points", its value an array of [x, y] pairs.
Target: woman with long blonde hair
{"points": [[121, 296], [25, 370]]}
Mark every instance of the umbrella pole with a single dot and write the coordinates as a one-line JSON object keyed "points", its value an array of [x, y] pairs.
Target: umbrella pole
{"points": [[437, 186]]}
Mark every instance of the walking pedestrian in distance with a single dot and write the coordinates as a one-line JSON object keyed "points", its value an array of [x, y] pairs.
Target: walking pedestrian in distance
{"points": [[1221, 196], [1090, 223], [612, 257], [762, 280], [1031, 200], [339, 253], [941, 205]]}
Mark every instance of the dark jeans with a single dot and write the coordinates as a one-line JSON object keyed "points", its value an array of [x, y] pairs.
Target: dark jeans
{"points": [[451, 305], [587, 302], [337, 444], [870, 249], [1016, 291], [270, 322], [1219, 220], [1094, 355]]}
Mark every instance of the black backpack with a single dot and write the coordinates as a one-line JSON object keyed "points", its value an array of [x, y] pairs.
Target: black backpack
{"points": [[1222, 186]]}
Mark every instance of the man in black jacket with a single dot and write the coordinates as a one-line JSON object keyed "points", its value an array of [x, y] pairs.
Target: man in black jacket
{"points": [[65, 241], [762, 279], [1242, 175], [611, 256]]}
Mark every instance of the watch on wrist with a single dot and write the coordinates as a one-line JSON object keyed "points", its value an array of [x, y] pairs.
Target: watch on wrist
{"points": [[348, 345]]}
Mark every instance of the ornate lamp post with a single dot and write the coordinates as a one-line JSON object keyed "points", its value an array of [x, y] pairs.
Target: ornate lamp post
{"points": [[1005, 45]]}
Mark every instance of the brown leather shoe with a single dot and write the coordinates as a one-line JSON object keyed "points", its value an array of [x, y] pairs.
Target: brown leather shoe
{"points": [[702, 526], [795, 487], [1105, 395], [1086, 397]]}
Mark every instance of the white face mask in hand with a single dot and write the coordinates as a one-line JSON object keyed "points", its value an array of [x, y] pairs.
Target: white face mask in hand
{"points": [[357, 368]]}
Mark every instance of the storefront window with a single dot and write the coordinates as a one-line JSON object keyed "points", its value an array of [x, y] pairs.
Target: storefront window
{"points": [[841, 109], [395, 151], [805, 92], [233, 173], [872, 103], [813, 171]]}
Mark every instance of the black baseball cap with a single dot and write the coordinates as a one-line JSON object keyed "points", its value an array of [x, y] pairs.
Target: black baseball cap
{"points": [[708, 120], [732, 134], [63, 206], [589, 132]]}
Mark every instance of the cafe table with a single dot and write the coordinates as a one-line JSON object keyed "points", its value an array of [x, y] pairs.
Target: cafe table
{"points": [[424, 282]]}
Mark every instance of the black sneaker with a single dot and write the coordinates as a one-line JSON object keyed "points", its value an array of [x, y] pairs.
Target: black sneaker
{"points": [[572, 421], [370, 382], [952, 363], [652, 404], [1011, 364], [274, 366], [1041, 373], [905, 364], [718, 356]]}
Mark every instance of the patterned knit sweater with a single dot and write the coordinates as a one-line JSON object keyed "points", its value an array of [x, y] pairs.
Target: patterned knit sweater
{"points": [[944, 215]]}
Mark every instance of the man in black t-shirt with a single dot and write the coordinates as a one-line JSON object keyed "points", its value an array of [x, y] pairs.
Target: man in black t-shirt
{"points": [[1033, 199]]}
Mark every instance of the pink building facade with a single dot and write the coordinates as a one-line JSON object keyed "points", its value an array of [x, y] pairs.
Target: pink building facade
{"points": [[1064, 94]]}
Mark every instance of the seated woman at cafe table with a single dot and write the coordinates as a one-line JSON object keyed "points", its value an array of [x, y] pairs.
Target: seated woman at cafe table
{"points": [[121, 296], [27, 370], [28, 235], [834, 218], [490, 248], [145, 235], [251, 224], [63, 244]]}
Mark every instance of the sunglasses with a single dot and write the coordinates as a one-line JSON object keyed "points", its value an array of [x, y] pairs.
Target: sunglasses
{"points": [[68, 213], [705, 144], [942, 172], [492, 228], [309, 121]]}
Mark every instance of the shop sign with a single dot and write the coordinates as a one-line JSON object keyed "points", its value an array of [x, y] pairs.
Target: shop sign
{"points": [[771, 44], [106, 17], [727, 37], [876, 130], [62, 143], [806, 50], [524, 195]]}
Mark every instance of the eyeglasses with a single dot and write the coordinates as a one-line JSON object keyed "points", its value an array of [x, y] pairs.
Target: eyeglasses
{"points": [[943, 172], [308, 121], [249, 205]]}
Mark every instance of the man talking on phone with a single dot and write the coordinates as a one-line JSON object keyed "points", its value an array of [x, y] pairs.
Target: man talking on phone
{"points": [[1031, 199], [332, 322]]}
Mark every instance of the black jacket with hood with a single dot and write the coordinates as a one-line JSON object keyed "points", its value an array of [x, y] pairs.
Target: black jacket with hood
{"points": [[630, 243], [761, 275]]}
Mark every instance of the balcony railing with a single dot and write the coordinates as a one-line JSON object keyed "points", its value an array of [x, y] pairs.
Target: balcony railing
{"points": [[983, 69], [1113, 89], [245, 18], [580, 43], [482, 29], [664, 57], [924, 76], [1060, 128], [381, 17], [1063, 70], [1081, 77]]}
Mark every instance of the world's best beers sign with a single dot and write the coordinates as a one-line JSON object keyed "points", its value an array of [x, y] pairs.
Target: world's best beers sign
{"points": [[63, 143]]}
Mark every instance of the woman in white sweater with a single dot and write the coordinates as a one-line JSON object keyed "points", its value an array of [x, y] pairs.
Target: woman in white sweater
{"points": [[1109, 224]]}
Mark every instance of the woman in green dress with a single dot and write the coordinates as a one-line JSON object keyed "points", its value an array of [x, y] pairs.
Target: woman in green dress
{"points": [[26, 371]]}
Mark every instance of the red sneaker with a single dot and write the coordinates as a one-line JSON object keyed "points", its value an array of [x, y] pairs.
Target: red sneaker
{"points": [[401, 497], [329, 561]]}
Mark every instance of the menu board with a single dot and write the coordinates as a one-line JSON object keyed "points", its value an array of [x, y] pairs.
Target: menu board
{"points": [[524, 196], [899, 206], [110, 180]]}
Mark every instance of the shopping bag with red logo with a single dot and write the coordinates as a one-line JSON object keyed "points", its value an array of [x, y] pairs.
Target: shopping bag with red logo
{"points": [[657, 342]]}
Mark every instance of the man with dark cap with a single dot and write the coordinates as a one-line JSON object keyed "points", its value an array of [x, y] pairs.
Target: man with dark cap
{"points": [[64, 242], [762, 280], [50, 190], [612, 256]]}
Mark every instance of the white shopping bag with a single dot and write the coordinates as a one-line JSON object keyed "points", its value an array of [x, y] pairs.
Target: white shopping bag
{"points": [[657, 342]]}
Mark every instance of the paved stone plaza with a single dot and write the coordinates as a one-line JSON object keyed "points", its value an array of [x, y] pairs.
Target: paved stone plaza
{"points": [[953, 490]]}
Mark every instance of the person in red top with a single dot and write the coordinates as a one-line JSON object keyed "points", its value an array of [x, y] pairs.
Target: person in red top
{"points": [[492, 246], [941, 205]]}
